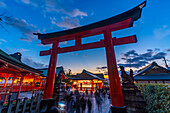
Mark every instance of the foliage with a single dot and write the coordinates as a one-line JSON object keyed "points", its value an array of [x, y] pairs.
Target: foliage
{"points": [[157, 97]]}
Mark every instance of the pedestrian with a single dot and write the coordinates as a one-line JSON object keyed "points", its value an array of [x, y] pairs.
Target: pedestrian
{"points": [[104, 94], [86, 92], [99, 101], [78, 104], [91, 94], [71, 105], [83, 103], [96, 93], [89, 103]]}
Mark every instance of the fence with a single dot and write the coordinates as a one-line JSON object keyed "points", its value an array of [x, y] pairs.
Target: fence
{"points": [[19, 106]]}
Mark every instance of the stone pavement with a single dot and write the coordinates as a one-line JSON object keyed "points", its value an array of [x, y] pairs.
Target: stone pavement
{"points": [[105, 106]]}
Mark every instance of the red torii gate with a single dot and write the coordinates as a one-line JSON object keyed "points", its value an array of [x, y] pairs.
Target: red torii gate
{"points": [[105, 27]]}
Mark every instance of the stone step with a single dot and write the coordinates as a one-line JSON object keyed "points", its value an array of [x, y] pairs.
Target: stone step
{"points": [[136, 104], [131, 92], [133, 98], [135, 110]]}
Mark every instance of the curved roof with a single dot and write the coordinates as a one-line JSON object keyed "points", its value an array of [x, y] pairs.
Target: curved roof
{"points": [[154, 76], [153, 72], [86, 75], [4, 57]]}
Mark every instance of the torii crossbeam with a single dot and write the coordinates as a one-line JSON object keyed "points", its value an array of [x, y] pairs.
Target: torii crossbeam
{"points": [[105, 27]]}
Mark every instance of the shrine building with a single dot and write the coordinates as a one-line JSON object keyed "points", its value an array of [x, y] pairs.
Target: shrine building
{"points": [[87, 81], [153, 73], [16, 77]]}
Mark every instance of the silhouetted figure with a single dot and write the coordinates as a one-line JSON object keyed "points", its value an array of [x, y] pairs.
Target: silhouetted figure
{"points": [[125, 76], [104, 94], [83, 103], [99, 101], [131, 74], [71, 106], [86, 92], [78, 106], [89, 103], [17, 56], [91, 93], [96, 93]]}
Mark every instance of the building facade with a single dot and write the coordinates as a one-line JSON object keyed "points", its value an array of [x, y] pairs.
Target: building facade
{"points": [[153, 73]]}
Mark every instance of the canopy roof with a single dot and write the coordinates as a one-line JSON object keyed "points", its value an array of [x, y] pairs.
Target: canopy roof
{"points": [[15, 64], [86, 75], [153, 72], [70, 34]]}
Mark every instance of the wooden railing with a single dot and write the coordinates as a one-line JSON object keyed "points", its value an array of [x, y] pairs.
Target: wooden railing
{"points": [[25, 106]]}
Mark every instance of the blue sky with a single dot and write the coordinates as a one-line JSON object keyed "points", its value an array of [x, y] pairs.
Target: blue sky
{"points": [[21, 18]]}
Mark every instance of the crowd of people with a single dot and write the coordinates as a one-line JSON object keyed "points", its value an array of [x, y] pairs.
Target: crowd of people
{"points": [[77, 102]]}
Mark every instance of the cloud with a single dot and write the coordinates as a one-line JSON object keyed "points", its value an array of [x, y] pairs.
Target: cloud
{"points": [[2, 4], [63, 43], [2, 40], [157, 49], [164, 26], [67, 23], [26, 29], [57, 6], [74, 13], [26, 1], [136, 60], [131, 52], [160, 33], [150, 50], [104, 67], [101, 69], [168, 50], [40, 44], [13, 50], [29, 61], [134, 65], [159, 55], [85, 56]]}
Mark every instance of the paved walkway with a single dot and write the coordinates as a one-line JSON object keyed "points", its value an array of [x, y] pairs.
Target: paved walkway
{"points": [[105, 106]]}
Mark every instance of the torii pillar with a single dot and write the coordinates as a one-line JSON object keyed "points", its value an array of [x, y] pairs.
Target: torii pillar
{"points": [[48, 92], [114, 82]]}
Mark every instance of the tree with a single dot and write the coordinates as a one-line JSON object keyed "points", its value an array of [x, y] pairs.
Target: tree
{"points": [[5, 17], [68, 73]]}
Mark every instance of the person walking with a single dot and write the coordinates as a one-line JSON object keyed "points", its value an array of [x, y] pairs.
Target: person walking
{"points": [[91, 94], [104, 94], [89, 103], [78, 104], [99, 101], [83, 103], [86, 92], [71, 106]]}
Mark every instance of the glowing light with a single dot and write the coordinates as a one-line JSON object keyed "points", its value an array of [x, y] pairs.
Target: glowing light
{"points": [[27, 80], [106, 76]]}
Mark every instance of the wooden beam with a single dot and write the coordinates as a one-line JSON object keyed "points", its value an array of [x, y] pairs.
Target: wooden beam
{"points": [[78, 46]]}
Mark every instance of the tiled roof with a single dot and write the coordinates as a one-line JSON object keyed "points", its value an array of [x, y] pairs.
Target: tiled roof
{"points": [[154, 76], [11, 60], [153, 72], [86, 75]]}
